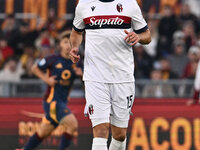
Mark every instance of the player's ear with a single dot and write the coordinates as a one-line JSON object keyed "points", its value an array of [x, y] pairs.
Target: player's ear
{"points": [[58, 45]]}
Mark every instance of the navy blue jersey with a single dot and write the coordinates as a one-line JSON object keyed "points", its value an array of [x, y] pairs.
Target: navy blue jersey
{"points": [[62, 68]]}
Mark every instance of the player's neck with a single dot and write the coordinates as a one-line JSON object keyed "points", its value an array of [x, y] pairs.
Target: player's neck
{"points": [[106, 0]]}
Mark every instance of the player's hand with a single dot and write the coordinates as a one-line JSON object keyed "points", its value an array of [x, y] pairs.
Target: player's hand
{"points": [[132, 38], [74, 55], [52, 81], [78, 71]]}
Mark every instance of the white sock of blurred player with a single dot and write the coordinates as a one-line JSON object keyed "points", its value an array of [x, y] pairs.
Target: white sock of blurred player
{"points": [[117, 145], [99, 144]]}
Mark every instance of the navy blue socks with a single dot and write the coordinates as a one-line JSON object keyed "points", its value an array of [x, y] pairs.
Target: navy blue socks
{"points": [[65, 141], [33, 142]]}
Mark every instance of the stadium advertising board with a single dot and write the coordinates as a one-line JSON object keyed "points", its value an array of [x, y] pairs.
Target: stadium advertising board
{"points": [[160, 124]]}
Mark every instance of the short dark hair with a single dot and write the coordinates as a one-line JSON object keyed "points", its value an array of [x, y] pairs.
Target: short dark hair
{"points": [[65, 34]]}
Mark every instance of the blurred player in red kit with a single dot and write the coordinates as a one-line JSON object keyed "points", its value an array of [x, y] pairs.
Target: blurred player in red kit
{"points": [[112, 27], [61, 74]]}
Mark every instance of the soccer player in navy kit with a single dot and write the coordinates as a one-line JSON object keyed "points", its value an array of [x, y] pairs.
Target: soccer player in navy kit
{"points": [[61, 74]]}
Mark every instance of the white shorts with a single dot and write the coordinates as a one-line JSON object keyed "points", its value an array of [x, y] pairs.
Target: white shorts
{"points": [[109, 102]]}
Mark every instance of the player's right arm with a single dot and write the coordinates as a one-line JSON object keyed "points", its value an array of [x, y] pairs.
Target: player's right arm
{"points": [[51, 81], [75, 40], [77, 34], [38, 68]]}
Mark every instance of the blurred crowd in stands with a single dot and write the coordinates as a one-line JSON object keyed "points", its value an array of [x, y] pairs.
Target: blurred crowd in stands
{"points": [[175, 47], [21, 47], [172, 54]]}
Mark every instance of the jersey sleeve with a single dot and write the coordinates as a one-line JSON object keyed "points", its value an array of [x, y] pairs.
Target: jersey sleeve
{"points": [[78, 23], [138, 22], [45, 63]]}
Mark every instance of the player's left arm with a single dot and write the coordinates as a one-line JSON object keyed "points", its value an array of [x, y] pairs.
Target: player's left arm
{"points": [[140, 34], [133, 38], [145, 37]]}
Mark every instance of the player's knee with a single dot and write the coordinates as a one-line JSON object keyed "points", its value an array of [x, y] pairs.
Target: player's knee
{"points": [[120, 137], [75, 134], [72, 130], [101, 133], [75, 126], [101, 130], [119, 134], [75, 131], [43, 135]]}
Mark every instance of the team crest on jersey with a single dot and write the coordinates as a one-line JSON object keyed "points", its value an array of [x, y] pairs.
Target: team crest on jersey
{"points": [[91, 109], [119, 7], [59, 66], [93, 8]]}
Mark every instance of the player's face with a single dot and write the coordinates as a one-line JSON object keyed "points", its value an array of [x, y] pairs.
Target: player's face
{"points": [[65, 46]]}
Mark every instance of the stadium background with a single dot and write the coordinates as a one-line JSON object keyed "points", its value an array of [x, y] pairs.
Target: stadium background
{"points": [[164, 74]]}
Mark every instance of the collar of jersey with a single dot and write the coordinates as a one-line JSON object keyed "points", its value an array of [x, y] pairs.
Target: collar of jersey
{"points": [[106, 0]]}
